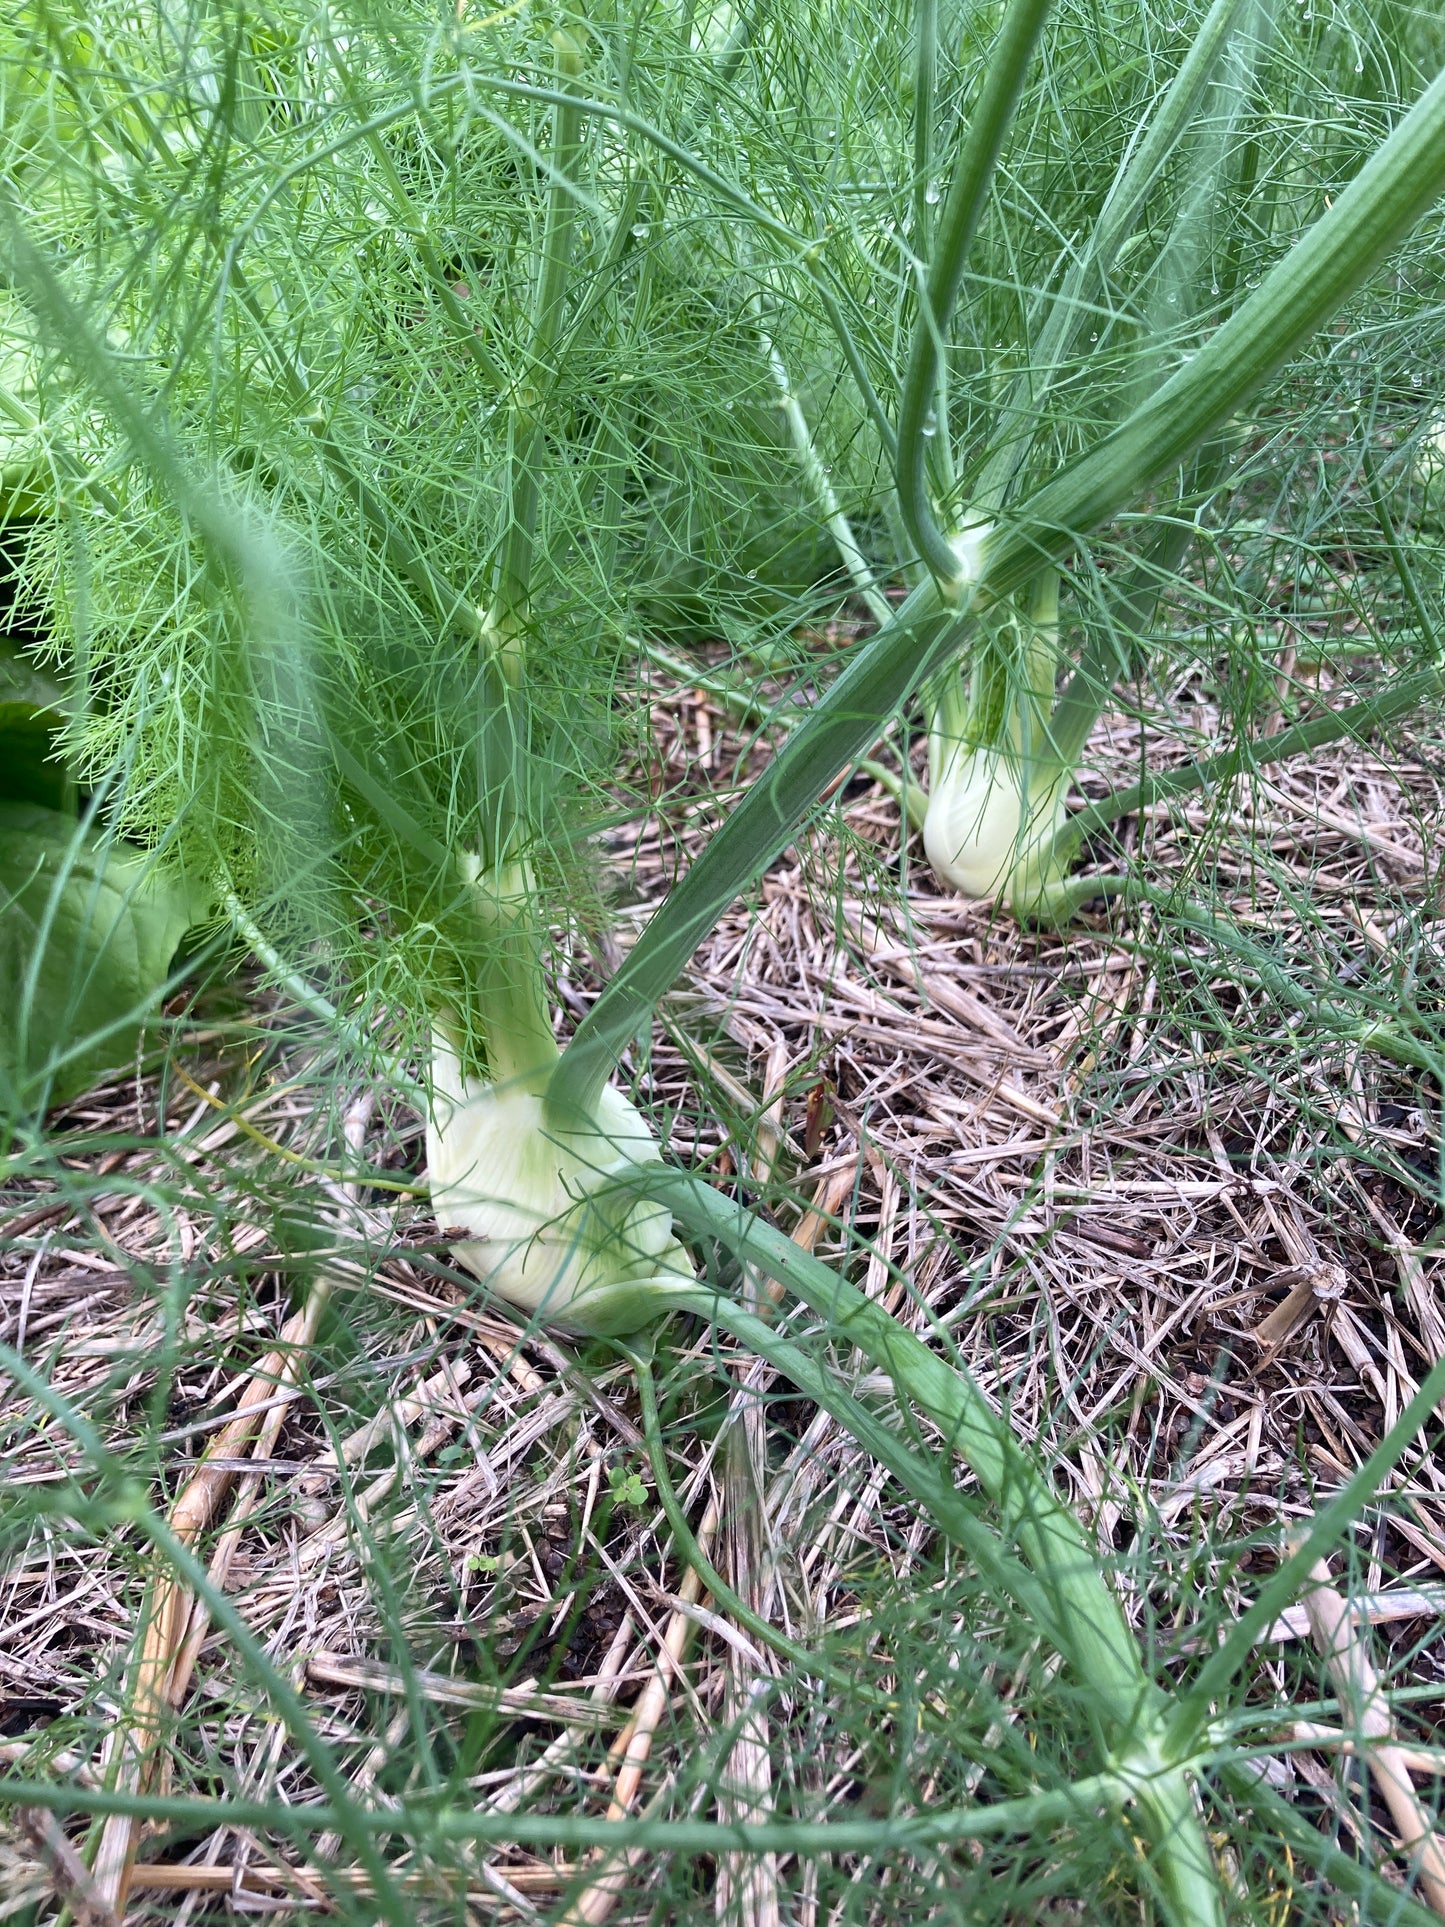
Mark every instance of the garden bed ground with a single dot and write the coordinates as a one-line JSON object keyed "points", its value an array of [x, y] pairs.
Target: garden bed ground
{"points": [[1179, 1230]]}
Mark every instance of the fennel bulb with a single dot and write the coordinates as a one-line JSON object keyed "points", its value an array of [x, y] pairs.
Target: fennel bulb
{"points": [[987, 831], [998, 782], [543, 1225]]}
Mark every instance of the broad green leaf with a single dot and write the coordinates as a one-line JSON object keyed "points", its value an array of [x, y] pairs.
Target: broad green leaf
{"points": [[88, 929], [30, 715]]}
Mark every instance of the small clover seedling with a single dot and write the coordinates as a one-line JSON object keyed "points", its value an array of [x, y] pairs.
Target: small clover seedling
{"points": [[627, 1487]]}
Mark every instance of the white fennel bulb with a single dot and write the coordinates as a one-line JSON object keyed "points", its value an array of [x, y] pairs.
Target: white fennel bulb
{"points": [[997, 782], [545, 1227], [989, 832]]}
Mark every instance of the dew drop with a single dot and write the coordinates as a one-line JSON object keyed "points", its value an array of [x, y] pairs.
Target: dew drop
{"points": [[933, 194], [928, 427], [639, 230]]}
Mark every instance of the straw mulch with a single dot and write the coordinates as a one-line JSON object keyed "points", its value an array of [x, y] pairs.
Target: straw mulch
{"points": [[1175, 1228]]}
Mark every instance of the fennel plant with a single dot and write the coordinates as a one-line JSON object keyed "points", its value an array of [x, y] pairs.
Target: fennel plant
{"points": [[363, 431]]}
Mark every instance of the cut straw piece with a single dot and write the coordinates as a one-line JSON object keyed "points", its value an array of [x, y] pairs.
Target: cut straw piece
{"points": [[161, 1669], [1416, 1759], [441, 1689], [633, 1748], [562, 1753], [747, 1884], [169, 1641], [71, 1877], [1342, 1644]]}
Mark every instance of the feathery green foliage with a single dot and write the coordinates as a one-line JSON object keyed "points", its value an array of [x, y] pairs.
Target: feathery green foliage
{"points": [[389, 372]]}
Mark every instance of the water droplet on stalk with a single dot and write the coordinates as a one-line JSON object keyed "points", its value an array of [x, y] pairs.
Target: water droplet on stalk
{"points": [[933, 194], [928, 427], [639, 230]]}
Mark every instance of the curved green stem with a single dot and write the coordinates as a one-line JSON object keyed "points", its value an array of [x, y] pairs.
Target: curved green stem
{"points": [[1008, 64], [460, 1821], [918, 1473], [1065, 1594], [908, 794], [1030, 389], [1089, 1623], [1356, 720], [1397, 184]]}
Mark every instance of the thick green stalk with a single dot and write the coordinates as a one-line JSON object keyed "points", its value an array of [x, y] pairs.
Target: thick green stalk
{"points": [[1082, 1607], [1122, 206], [1008, 65], [919, 1472], [1065, 1594], [975, 793], [843, 724], [1397, 184], [511, 986]]}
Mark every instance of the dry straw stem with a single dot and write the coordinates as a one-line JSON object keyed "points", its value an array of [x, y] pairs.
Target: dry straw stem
{"points": [[747, 1886], [163, 1664], [1343, 1646], [72, 1878], [632, 1748], [174, 1624]]}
